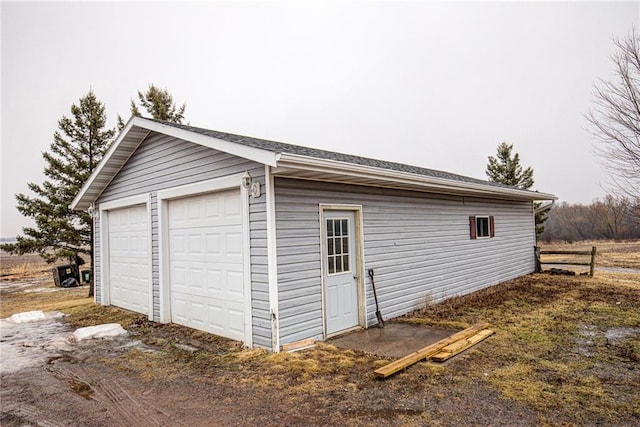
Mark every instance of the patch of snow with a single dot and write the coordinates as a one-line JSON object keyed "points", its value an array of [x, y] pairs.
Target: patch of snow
{"points": [[616, 335], [42, 290], [38, 337], [188, 348], [27, 316], [34, 316], [99, 331], [23, 345]]}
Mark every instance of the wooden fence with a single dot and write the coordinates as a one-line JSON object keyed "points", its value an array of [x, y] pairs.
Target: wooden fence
{"points": [[591, 263]]}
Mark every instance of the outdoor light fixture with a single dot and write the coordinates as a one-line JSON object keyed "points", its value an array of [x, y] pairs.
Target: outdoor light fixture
{"points": [[252, 187], [93, 212]]}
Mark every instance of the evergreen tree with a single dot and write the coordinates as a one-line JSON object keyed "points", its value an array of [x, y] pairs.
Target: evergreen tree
{"points": [[159, 105], [506, 169], [77, 147]]}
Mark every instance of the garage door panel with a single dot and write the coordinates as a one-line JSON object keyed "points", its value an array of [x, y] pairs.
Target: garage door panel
{"points": [[224, 318], [206, 263], [129, 258], [213, 280], [202, 243], [205, 211]]}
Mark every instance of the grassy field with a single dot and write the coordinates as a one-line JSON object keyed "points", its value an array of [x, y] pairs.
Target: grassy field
{"points": [[566, 352], [608, 253]]}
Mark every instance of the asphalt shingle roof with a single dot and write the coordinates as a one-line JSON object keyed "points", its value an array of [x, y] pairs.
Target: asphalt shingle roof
{"points": [[280, 147]]}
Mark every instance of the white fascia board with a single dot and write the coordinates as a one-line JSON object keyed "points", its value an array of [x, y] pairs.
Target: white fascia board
{"points": [[427, 182], [261, 156], [250, 153], [105, 159]]}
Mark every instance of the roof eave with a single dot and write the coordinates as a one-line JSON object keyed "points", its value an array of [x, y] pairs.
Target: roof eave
{"points": [[293, 165], [84, 198], [128, 141]]}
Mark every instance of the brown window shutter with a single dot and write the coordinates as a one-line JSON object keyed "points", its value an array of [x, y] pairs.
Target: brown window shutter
{"points": [[492, 230], [472, 227]]}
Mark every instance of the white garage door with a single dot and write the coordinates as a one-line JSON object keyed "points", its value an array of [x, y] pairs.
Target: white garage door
{"points": [[206, 265], [129, 258]]}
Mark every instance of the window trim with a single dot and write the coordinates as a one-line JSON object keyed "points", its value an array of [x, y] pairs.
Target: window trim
{"points": [[474, 224], [480, 229], [341, 254]]}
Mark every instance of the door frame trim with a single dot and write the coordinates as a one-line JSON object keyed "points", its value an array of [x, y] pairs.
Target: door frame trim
{"points": [[359, 248], [230, 182], [103, 209]]}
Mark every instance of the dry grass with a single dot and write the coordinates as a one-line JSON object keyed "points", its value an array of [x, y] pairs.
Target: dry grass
{"points": [[565, 348], [22, 266], [58, 299]]}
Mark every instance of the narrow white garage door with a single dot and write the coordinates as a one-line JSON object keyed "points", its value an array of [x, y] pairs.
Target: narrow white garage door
{"points": [[206, 265], [129, 258]]}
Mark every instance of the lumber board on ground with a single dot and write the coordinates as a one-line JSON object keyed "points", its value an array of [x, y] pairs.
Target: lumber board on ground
{"points": [[451, 350], [298, 345], [423, 353]]}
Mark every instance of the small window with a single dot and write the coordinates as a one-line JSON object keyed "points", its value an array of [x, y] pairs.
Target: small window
{"points": [[338, 246], [481, 227]]}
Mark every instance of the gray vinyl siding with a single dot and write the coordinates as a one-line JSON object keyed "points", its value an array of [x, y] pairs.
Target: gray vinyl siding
{"points": [[163, 162], [417, 243]]}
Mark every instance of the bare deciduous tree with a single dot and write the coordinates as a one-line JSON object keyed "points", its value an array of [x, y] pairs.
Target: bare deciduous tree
{"points": [[615, 117], [613, 217]]}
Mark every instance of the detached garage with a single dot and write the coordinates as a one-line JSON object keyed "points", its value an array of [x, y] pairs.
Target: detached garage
{"points": [[268, 243]]}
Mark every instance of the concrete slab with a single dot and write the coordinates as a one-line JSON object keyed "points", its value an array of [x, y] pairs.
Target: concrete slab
{"points": [[394, 340]]}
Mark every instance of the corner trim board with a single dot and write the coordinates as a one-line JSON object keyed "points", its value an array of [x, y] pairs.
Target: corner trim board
{"points": [[272, 259]]}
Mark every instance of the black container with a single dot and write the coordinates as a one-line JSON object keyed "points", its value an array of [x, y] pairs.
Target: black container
{"points": [[63, 272]]}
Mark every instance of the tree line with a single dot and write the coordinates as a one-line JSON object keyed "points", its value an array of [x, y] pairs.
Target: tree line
{"points": [[611, 218]]}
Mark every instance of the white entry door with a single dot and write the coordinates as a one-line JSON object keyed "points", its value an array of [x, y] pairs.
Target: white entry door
{"points": [[206, 263], [341, 284], [128, 236]]}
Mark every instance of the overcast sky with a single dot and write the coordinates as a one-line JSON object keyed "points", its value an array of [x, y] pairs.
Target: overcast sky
{"points": [[437, 85]]}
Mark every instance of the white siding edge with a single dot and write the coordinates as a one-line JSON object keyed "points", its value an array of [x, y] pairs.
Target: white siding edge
{"points": [[272, 259]]}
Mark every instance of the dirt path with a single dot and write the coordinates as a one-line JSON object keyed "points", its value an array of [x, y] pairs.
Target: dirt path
{"points": [[61, 383], [54, 383]]}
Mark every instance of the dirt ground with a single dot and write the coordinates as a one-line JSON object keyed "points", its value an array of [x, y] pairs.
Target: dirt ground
{"points": [[566, 352]]}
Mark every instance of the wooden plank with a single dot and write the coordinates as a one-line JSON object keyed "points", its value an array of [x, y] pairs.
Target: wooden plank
{"points": [[451, 350], [423, 353], [565, 252], [298, 345], [564, 263]]}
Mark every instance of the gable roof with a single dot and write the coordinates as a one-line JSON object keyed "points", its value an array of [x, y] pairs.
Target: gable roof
{"points": [[295, 161]]}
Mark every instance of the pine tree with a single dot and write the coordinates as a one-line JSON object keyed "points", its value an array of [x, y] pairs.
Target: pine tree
{"points": [[77, 147], [159, 105], [506, 169]]}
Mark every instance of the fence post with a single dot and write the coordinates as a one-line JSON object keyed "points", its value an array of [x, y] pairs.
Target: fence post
{"points": [[536, 250], [593, 261]]}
